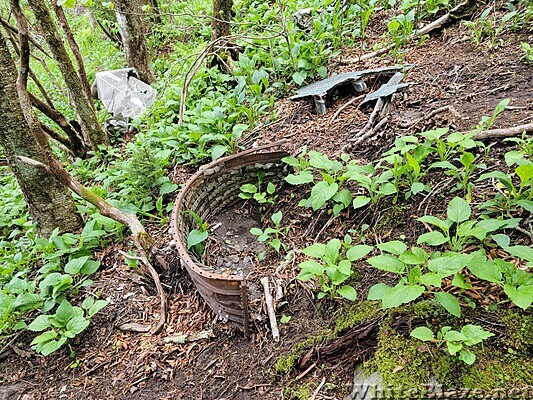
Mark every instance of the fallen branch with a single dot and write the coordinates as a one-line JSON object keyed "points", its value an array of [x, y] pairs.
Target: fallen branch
{"points": [[143, 241], [344, 106], [428, 116], [437, 24], [270, 308], [504, 132]]}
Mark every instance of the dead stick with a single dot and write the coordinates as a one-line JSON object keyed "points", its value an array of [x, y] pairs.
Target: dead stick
{"points": [[270, 307], [504, 132], [372, 131], [315, 393], [344, 106], [428, 116], [303, 374]]}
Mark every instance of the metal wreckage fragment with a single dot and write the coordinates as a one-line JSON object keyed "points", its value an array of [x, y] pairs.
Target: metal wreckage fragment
{"points": [[316, 92]]}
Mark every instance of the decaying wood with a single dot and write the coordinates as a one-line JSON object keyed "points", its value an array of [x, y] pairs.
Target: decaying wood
{"points": [[270, 308], [504, 132], [143, 241]]}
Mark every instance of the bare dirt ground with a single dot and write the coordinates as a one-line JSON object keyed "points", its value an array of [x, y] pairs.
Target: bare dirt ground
{"points": [[108, 363]]}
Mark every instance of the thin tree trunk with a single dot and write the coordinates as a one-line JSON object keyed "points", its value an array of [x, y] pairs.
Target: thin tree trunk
{"points": [[75, 50], [50, 204], [220, 28], [85, 111], [132, 29]]}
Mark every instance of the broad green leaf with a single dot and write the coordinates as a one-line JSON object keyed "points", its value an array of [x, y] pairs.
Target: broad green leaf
{"points": [[458, 210], [316, 250], [503, 178], [431, 279], [90, 267], [218, 151], [455, 336], [358, 251], [347, 292], [256, 231], [485, 269], [309, 269], [276, 244], [40, 323], [491, 225], [467, 356], [525, 173], [321, 193], [378, 291], [423, 333], [430, 219], [248, 188], [331, 252], [395, 247], [344, 197], [387, 263], [501, 240], [77, 325], [415, 256], [196, 237], [475, 334], [300, 178], [345, 267], [319, 160], [360, 201], [521, 296], [526, 205], [64, 312], [459, 281], [417, 187], [453, 347], [298, 78], [276, 218], [402, 294], [449, 302], [523, 252], [44, 337], [73, 267], [97, 306], [434, 238], [51, 346], [448, 264]]}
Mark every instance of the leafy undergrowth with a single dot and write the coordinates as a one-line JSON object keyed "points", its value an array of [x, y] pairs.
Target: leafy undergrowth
{"points": [[435, 229]]}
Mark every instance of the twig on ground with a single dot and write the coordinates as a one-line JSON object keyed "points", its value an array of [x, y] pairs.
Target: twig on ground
{"points": [[303, 374], [504, 132], [344, 106], [428, 116], [270, 308], [315, 393]]}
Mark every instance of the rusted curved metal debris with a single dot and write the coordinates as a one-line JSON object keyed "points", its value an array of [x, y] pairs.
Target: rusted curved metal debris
{"points": [[210, 191]]}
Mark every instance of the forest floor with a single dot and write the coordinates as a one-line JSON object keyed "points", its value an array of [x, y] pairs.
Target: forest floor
{"points": [[216, 361]]}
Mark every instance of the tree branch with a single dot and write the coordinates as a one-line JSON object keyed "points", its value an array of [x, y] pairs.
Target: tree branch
{"points": [[504, 132]]}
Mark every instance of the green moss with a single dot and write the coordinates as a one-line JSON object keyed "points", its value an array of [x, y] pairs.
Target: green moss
{"points": [[286, 363], [519, 332], [300, 392], [354, 314], [494, 369]]}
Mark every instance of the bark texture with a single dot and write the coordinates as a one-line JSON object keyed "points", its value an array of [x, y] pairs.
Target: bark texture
{"points": [[221, 18], [85, 111], [49, 202], [133, 31]]}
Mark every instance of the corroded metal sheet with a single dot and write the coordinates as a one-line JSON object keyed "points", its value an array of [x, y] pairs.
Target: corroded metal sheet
{"points": [[213, 189], [317, 91]]}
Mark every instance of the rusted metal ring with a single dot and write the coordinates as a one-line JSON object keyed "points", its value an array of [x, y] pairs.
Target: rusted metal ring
{"points": [[210, 191]]}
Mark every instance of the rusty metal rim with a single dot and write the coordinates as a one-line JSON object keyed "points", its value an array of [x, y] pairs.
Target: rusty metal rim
{"points": [[182, 249]]}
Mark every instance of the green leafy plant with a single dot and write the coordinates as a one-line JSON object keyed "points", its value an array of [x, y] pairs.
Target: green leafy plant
{"points": [[66, 323], [252, 191], [326, 190], [333, 267], [457, 230], [456, 342], [513, 196], [197, 236], [271, 236], [527, 51]]}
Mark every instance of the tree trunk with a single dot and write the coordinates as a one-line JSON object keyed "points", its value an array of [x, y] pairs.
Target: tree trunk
{"points": [[221, 18], [89, 123], [61, 17], [49, 202], [133, 31]]}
